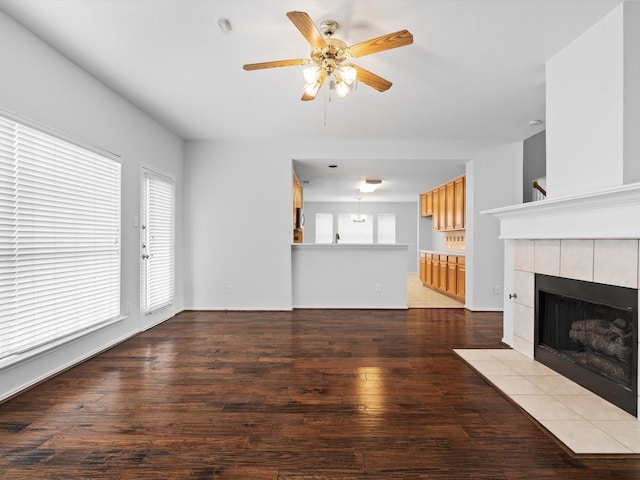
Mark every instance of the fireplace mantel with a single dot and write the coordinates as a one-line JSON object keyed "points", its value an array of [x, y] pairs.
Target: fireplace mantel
{"points": [[610, 213]]}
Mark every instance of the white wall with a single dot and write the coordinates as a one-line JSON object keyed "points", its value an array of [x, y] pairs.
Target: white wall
{"points": [[631, 26], [41, 85], [238, 204], [238, 198], [406, 225], [493, 178], [593, 107]]}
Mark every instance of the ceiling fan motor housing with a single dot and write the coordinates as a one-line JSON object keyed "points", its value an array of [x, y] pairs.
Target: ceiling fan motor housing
{"points": [[331, 56]]}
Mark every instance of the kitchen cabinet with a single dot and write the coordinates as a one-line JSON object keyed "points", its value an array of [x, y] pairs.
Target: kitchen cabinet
{"points": [[435, 202], [446, 205], [452, 273], [444, 273], [423, 205], [442, 207], [460, 278], [459, 202], [450, 206]]}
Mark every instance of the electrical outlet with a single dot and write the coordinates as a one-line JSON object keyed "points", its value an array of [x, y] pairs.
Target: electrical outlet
{"points": [[229, 289], [378, 288], [496, 290]]}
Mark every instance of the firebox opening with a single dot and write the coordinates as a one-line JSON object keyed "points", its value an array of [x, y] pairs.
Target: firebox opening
{"points": [[588, 332]]}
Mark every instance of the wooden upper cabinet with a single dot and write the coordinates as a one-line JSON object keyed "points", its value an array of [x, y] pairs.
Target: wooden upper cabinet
{"points": [[446, 204], [442, 207], [459, 222], [426, 204], [450, 206], [436, 207]]}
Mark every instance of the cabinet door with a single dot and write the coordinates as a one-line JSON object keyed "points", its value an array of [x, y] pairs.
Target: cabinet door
{"points": [[442, 207], [423, 267], [423, 205], [452, 266], [460, 279], [428, 279], [450, 206], [435, 272], [429, 199], [442, 279], [436, 209], [459, 195]]}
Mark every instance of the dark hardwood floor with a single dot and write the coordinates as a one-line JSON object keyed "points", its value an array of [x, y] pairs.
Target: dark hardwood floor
{"points": [[309, 394]]}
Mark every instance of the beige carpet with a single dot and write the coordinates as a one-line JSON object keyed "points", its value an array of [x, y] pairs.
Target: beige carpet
{"points": [[419, 296]]}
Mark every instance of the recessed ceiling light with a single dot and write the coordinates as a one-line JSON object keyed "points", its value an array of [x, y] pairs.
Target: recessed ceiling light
{"points": [[535, 123]]}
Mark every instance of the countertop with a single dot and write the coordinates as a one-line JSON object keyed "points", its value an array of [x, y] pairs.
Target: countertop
{"points": [[350, 245], [445, 252]]}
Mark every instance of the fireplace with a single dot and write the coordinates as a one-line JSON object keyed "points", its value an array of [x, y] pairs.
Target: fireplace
{"points": [[589, 333]]}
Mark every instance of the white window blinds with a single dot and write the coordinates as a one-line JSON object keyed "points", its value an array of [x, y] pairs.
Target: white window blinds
{"points": [[59, 239], [386, 228], [158, 242], [324, 227]]}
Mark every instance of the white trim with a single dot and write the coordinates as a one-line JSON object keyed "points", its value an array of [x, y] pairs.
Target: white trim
{"points": [[28, 122]]}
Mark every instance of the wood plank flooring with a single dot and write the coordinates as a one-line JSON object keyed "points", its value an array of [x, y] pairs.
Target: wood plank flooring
{"points": [[309, 394]]}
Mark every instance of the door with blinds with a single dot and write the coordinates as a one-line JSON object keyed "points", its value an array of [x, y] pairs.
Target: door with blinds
{"points": [[158, 248]]}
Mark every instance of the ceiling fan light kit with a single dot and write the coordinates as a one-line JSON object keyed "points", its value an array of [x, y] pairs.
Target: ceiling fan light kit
{"points": [[329, 56]]}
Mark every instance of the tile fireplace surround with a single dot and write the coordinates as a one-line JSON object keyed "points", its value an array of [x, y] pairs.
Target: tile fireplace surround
{"points": [[591, 237]]}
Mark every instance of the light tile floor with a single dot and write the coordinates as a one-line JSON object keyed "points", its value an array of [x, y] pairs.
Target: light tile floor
{"points": [[580, 419], [419, 296]]}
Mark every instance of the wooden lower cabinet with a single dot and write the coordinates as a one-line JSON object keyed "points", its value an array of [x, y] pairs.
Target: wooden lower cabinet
{"points": [[452, 274], [428, 276], [444, 273], [442, 278], [460, 278]]}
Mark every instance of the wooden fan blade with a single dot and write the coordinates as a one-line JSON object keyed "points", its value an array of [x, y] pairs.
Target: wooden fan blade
{"points": [[277, 63], [371, 79], [379, 44], [307, 28], [306, 96]]}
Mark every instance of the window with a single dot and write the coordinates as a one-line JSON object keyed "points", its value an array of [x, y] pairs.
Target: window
{"points": [[355, 232], [59, 239], [386, 228], [158, 242], [324, 228]]}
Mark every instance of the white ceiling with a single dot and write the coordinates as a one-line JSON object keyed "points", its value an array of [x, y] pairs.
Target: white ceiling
{"points": [[474, 72]]}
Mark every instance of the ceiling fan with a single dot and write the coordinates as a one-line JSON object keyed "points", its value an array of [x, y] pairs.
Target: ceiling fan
{"points": [[329, 56]]}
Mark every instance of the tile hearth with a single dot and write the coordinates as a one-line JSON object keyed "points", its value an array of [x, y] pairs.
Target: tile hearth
{"points": [[581, 420]]}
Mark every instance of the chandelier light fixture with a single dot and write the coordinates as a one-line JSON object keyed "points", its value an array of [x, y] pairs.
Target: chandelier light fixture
{"points": [[360, 217]]}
